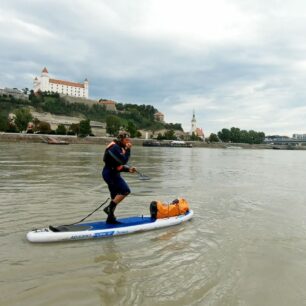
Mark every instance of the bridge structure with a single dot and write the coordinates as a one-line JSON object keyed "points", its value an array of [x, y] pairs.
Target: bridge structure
{"points": [[286, 141]]}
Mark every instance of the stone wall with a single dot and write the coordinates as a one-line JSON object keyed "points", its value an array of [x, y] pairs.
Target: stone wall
{"points": [[88, 102]]}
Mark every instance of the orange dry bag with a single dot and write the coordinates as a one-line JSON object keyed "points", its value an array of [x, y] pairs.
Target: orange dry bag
{"points": [[161, 210]]}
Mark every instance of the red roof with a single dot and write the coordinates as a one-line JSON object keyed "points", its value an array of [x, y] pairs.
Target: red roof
{"points": [[67, 83], [199, 132], [110, 102]]}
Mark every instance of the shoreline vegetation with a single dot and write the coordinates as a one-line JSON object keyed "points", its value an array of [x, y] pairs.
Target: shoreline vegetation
{"points": [[16, 114], [71, 139], [52, 113]]}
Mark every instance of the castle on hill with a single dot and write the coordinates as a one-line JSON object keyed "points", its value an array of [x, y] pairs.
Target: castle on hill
{"points": [[69, 88]]}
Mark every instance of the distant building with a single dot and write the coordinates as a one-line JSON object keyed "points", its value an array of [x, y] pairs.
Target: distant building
{"points": [[299, 136], [199, 132], [159, 117], [195, 130], [45, 83], [109, 104], [193, 124], [276, 138]]}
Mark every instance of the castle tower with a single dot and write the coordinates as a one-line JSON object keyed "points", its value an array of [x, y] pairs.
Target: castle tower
{"points": [[36, 84], [44, 83], [86, 83], [193, 124]]}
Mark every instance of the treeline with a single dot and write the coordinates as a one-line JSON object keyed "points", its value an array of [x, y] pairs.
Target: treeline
{"points": [[235, 135], [145, 111], [140, 116], [131, 117], [9, 104], [21, 119], [55, 104]]}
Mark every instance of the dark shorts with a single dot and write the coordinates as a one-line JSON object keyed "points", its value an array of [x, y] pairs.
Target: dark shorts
{"points": [[116, 184]]}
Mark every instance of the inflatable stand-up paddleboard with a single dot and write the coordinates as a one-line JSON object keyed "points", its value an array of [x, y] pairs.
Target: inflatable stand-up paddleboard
{"points": [[100, 229]]}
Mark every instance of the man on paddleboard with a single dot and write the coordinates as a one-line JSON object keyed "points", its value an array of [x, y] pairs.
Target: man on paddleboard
{"points": [[116, 156]]}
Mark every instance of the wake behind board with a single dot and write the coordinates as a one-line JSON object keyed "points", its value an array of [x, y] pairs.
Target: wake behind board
{"points": [[100, 229]]}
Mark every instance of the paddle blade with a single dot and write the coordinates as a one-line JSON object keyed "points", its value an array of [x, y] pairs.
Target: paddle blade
{"points": [[142, 176]]}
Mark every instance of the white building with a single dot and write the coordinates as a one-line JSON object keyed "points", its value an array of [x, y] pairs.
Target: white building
{"points": [[159, 117], [299, 136], [45, 83]]}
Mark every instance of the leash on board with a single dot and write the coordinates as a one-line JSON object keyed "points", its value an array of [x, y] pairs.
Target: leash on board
{"points": [[88, 214]]}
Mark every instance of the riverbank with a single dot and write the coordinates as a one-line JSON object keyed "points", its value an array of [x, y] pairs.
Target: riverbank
{"points": [[36, 138]]}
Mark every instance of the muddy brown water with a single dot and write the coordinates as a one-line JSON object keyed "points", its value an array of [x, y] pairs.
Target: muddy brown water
{"points": [[246, 244]]}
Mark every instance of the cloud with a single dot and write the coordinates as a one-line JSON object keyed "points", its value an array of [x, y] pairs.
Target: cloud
{"points": [[236, 63]]}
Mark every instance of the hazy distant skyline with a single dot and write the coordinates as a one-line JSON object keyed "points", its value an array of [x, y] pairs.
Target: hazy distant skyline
{"points": [[235, 63]]}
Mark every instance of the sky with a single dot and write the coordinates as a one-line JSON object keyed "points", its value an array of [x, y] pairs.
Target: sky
{"points": [[235, 63]]}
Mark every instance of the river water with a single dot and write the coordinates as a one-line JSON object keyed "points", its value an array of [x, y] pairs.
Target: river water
{"points": [[246, 244]]}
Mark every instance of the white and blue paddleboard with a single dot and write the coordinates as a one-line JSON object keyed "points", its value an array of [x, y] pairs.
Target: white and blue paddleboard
{"points": [[100, 229]]}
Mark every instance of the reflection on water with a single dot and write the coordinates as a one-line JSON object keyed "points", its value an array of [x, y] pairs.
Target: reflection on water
{"points": [[245, 246]]}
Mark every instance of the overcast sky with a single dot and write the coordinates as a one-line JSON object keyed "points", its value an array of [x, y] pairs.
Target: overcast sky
{"points": [[235, 63]]}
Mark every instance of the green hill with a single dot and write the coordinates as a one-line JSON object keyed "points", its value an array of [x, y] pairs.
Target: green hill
{"points": [[141, 116]]}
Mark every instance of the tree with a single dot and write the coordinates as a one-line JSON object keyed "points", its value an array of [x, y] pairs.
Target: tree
{"points": [[61, 130], [23, 117], [3, 123], [113, 124], [225, 135], [170, 135], [36, 125], [245, 137], [160, 136], [213, 138], [85, 128], [174, 126], [235, 135], [35, 98], [260, 137], [131, 128], [74, 129], [44, 127]]}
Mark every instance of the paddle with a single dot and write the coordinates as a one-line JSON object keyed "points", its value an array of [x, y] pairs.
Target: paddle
{"points": [[141, 176]]}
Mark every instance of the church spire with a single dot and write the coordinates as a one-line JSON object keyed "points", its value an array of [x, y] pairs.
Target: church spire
{"points": [[193, 123], [193, 117]]}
